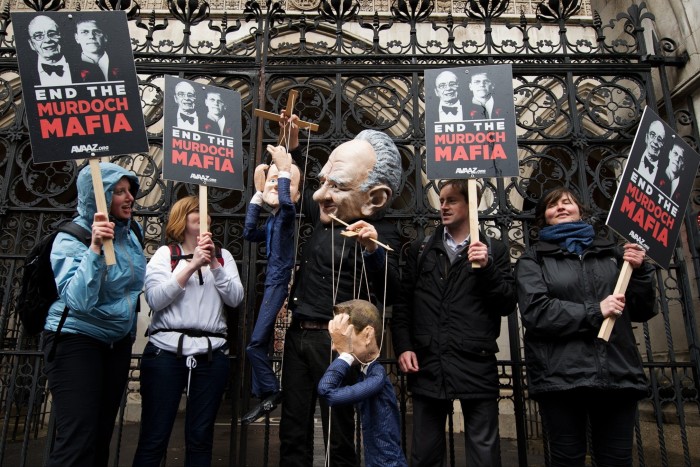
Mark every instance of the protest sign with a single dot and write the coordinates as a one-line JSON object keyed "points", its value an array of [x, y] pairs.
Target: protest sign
{"points": [[470, 122], [202, 134], [79, 85], [654, 189]]}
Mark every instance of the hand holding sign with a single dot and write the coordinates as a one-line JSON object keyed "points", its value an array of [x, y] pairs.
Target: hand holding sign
{"points": [[470, 128], [104, 239], [612, 308], [652, 194], [102, 235]]}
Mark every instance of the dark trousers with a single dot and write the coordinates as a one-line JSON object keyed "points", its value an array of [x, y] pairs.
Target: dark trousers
{"points": [[307, 354], [611, 414], [163, 379], [264, 379], [483, 447], [87, 379]]}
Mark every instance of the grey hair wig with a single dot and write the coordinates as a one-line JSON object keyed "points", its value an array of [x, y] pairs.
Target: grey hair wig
{"points": [[387, 169]]}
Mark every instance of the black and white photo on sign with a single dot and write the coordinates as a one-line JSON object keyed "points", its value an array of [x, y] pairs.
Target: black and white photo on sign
{"points": [[202, 134], [471, 97], [662, 160], [185, 97], [76, 51], [79, 84], [93, 38], [205, 110], [451, 102]]}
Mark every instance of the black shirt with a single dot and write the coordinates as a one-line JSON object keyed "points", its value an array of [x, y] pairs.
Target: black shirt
{"points": [[315, 282]]}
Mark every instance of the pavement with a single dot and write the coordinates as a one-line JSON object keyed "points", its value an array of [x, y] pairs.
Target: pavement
{"points": [[261, 451], [669, 447], [264, 452]]}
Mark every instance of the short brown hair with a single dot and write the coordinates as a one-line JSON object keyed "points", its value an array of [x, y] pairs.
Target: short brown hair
{"points": [[552, 196], [362, 314], [461, 185], [177, 220]]}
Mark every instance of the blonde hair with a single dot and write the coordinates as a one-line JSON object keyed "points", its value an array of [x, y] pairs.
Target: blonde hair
{"points": [[177, 220]]}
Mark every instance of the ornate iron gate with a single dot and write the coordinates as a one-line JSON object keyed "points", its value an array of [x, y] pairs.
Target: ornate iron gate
{"points": [[580, 88]]}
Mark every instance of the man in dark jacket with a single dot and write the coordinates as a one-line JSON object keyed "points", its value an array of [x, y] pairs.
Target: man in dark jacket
{"points": [[445, 328]]}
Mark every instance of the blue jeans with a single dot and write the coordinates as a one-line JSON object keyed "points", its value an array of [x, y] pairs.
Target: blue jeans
{"points": [[163, 380], [264, 379]]}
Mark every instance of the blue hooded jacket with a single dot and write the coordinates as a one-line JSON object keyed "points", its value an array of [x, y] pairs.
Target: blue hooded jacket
{"points": [[102, 300]]}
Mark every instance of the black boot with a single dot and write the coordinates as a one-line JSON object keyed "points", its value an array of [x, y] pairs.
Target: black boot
{"points": [[266, 405]]}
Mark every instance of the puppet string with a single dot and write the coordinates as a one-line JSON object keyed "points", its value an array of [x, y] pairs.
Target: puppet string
{"points": [[296, 234]]}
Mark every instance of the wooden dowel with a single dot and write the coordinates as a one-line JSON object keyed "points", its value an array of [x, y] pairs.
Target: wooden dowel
{"points": [[101, 202], [203, 214], [473, 214], [386, 247], [623, 281]]}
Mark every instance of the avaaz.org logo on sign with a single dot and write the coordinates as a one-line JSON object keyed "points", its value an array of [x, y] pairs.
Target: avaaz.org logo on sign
{"points": [[78, 148], [469, 170], [637, 238], [203, 178]]}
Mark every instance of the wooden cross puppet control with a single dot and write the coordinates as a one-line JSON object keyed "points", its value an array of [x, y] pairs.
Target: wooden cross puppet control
{"points": [[291, 101]]}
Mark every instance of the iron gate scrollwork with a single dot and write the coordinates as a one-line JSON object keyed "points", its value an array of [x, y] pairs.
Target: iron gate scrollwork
{"points": [[580, 83]]}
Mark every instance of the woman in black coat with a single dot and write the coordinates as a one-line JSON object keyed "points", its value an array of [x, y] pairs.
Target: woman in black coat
{"points": [[565, 290]]}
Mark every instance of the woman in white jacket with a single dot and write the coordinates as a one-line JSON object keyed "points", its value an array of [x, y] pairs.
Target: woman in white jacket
{"points": [[187, 284]]}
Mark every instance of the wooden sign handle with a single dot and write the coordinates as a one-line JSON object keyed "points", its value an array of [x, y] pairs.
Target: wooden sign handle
{"points": [[98, 188], [623, 281], [203, 214], [473, 214]]}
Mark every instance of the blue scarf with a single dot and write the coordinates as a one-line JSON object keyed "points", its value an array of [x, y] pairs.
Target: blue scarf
{"points": [[571, 236]]}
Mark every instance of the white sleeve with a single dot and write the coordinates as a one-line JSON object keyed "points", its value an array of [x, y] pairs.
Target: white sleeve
{"points": [[161, 287]]}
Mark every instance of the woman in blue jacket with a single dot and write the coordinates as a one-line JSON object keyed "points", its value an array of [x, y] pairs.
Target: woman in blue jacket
{"points": [[89, 371]]}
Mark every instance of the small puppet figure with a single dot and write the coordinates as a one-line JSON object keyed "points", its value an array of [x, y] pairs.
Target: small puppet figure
{"points": [[356, 333], [279, 189]]}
